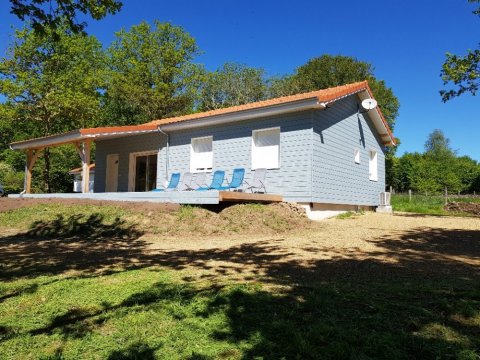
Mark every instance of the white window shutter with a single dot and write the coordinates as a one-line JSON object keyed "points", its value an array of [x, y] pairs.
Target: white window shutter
{"points": [[201, 154], [373, 166], [266, 149]]}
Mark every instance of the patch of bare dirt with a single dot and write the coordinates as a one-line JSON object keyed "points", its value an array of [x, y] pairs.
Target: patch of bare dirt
{"points": [[7, 204], [241, 219], [463, 207]]}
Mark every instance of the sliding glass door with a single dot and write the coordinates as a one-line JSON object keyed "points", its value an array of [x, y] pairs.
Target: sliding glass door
{"points": [[145, 172]]}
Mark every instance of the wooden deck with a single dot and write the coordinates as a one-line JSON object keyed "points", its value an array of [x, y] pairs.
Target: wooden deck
{"points": [[233, 196], [175, 197]]}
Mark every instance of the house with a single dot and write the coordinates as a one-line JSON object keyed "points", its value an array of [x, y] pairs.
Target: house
{"points": [[77, 178], [321, 149]]}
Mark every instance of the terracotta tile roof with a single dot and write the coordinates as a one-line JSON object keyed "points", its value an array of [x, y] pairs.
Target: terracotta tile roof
{"points": [[323, 96], [326, 95], [79, 170], [114, 129]]}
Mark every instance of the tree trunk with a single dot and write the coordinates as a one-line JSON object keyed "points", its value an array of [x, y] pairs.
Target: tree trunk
{"points": [[46, 171]]}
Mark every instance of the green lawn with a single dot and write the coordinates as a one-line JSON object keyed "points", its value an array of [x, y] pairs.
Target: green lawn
{"points": [[101, 306], [421, 204]]}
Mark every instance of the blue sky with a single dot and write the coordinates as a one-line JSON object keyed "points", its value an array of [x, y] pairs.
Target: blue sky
{"points": [[405, 41]]}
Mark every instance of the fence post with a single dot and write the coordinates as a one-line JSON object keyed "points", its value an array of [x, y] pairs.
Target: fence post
{"points": [[390, 189], [409, 195], [446, 195]]}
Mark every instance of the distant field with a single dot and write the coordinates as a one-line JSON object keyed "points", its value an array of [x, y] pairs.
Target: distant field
{"points": [[423, 204], [126, 281]]}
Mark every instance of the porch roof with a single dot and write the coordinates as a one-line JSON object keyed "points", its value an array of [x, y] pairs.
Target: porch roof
{"points": [[83, 134]]}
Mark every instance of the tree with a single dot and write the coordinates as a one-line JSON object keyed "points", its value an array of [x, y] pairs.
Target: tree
{"points": [[438, 146], [48, 14], [468, 171], [233, 84], [462, 71], [151, 74], [51, 84], [440, 162]]}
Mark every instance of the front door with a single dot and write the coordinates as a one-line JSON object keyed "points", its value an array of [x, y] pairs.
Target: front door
{"points": [[145, 172], [111, 177]]}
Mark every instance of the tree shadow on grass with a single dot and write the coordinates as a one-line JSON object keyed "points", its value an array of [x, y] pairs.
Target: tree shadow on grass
{"points": [[137, 351], [412, 295], [80, 243], [77, 322]]}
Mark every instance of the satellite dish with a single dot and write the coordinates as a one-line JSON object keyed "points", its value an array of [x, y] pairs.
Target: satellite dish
{"points": [[369, 104]]}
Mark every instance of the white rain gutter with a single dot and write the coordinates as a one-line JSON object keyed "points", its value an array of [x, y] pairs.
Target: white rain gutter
{"points": [[73, 136], [48, 141], [215, 120], [167, 155]]}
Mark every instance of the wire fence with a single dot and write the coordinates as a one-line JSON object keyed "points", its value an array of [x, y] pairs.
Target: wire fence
{"points": [[434, 198]]}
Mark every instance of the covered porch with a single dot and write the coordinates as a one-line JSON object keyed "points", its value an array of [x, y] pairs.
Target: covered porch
{"points": [[210, 197], [82, 140]]}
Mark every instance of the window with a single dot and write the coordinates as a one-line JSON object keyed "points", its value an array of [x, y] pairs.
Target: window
{"points": [[266, 149], [201, 154], [372, 166], [356, 155]]}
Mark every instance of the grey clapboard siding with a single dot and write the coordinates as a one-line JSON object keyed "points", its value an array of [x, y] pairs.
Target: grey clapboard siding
{"points": [[337, 179], [123, 146], [316, 154], [232, 145]]}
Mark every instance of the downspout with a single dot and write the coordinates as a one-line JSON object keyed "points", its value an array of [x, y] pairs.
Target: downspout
{"points": [[166, 154]]}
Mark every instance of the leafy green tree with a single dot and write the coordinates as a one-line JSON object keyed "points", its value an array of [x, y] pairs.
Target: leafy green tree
{"points": [[51, 84], [463, 72], [438, 146], [436, 169], [440, 162], [468, 171], [151, 74], [233, 84], [10, 179], [52, 14]]}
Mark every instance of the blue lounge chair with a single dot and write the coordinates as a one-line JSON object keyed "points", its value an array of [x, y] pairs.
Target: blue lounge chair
{"points": [[217, 181], [174, 180], [258, 182], [237, 180]]}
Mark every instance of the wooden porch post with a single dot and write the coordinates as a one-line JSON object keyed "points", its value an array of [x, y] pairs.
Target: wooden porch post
{"points": [[84, 153], [86, 166], [32, 156]]}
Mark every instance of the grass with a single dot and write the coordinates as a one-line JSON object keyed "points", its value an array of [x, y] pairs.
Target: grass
{"points": [[419, 204], [152, 313], [431, 204], [146, 311]]}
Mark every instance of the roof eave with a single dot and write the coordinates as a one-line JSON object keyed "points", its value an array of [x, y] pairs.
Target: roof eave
{"points": [[380, 123], [75, 136], [250, 114], [52, 140]]}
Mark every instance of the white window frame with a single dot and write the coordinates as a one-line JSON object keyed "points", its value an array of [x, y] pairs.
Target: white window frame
{"points": [[356, 156], [259, 163], [132, 164], [373, 165], [193, 166]]}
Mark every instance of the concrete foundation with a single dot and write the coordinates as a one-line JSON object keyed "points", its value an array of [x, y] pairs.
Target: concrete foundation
{"points": [[315, 211]]}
